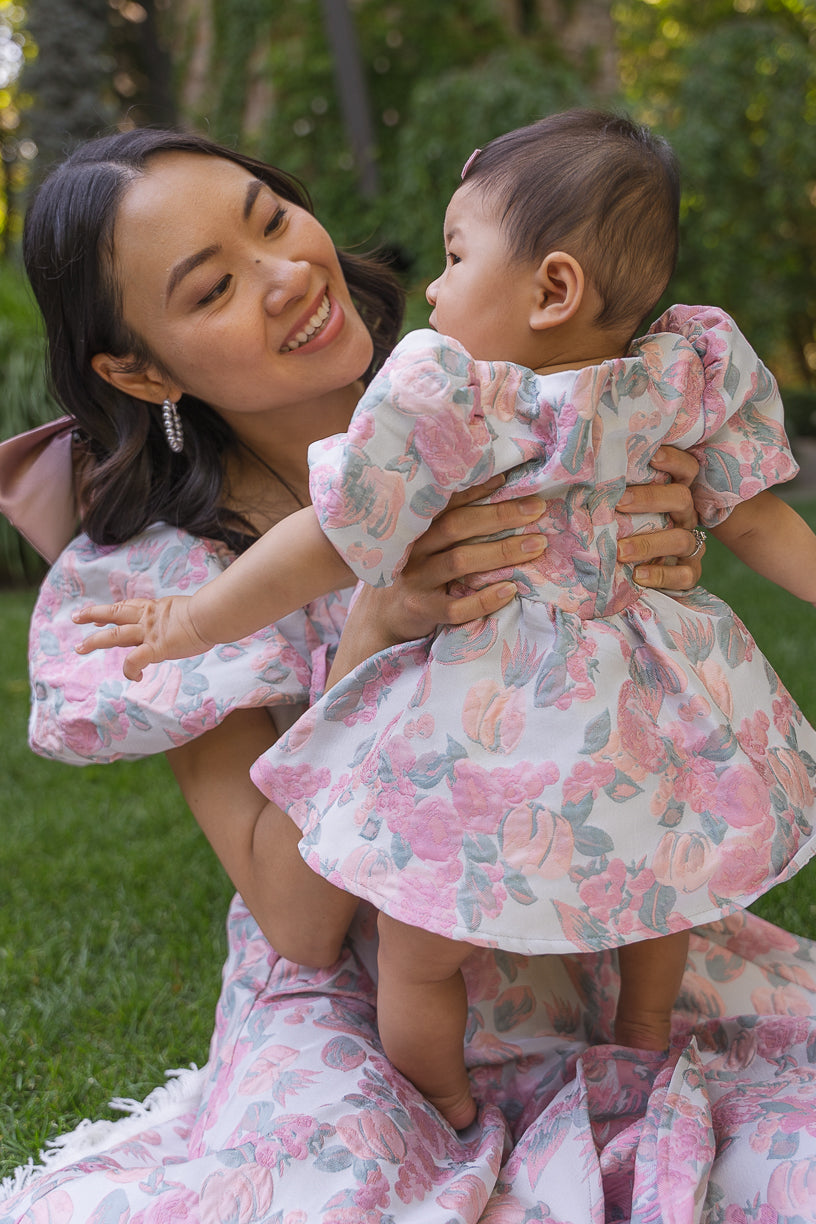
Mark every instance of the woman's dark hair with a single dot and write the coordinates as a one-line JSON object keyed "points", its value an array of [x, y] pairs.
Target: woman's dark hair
{"points": [[129, 477], [599, 186]]}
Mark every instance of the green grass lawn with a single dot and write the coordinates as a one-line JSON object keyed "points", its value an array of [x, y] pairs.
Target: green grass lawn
{"points": [[113, 905], [111, 926]]}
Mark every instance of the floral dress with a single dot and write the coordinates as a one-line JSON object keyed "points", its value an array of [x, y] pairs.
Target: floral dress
{"points": [[297, 1117], [596, 763]]}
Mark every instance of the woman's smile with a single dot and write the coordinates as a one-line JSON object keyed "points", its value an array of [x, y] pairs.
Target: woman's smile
{"points": [[315, 328]]}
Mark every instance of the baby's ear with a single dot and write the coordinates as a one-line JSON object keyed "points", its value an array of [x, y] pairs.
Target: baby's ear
{"points": [[559, 285]]}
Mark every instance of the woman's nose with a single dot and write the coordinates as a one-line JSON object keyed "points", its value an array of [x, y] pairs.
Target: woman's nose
{"points": [[284, 281]]}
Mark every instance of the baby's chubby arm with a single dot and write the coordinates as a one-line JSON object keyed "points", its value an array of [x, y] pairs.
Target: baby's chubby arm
{"points": [[289, 566], [770, 537]]}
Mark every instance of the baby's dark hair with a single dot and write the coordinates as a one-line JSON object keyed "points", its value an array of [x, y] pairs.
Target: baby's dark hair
{"points": [[598, 186]]}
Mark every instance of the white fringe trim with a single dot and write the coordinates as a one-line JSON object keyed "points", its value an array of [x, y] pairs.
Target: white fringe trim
{"points": [[180, 1094]]}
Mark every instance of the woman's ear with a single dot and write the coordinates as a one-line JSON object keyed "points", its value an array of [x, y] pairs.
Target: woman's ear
{"points": [[146, 384], [559, 286]]}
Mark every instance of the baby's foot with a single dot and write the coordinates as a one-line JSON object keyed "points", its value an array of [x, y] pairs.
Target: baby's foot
{"points": [[643, 1032], [457, 1108]]}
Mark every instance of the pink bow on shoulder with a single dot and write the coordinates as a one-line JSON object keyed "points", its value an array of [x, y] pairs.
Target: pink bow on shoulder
{"points": [[37, 486]]}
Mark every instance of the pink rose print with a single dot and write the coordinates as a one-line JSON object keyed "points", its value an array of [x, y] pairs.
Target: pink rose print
{"points": [[588, 778], [371, 1135], [684, 860], [714, 678], [201, 719], [467, 1197], [236, 1196], [741, 797], [176, 1205], [743, 872], [431, 829], [494, 716], [791, 773], [792, 1188], [753, 735], [451, 448], [531, 834]]}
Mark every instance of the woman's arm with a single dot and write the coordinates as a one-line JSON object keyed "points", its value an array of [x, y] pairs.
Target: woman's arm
{"points": [[303, 916], [770, 537]]}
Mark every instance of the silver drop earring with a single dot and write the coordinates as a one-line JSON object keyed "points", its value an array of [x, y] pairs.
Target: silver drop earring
{"points": [[173, 428]]}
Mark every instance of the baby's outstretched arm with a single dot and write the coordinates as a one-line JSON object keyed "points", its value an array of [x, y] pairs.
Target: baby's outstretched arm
{"points": [[770, 537], [289, 566]]}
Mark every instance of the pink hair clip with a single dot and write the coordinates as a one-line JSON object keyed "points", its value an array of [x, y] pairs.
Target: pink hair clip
{"points": [[470, 161]]}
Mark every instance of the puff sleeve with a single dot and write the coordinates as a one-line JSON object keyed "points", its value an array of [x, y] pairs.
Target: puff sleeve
{"points": [[433, 421], [83, 708], [739, 441]]}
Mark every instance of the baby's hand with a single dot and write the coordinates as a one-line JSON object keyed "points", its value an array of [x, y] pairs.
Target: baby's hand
{"points": [[159, 629]]}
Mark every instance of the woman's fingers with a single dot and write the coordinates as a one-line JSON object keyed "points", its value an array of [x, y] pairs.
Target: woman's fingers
{"points": [[649, 552], [681, 577], [655, 545], [464, 522], [463, 560], [680, 465], [458, 611], [672, 499]]}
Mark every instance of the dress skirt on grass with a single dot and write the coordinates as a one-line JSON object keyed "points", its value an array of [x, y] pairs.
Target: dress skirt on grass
{"points": [[297, 1117], [596, 763]]}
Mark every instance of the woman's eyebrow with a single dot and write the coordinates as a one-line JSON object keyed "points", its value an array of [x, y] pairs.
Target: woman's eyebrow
{"points": [[185, 266], [253, 190]]}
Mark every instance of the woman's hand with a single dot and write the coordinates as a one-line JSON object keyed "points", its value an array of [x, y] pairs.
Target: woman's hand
{"points": [[655, 553], [420, 599]]}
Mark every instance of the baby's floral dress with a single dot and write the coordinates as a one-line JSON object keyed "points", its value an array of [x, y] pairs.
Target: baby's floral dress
{"points": [[297, 1116], [596, 763]]}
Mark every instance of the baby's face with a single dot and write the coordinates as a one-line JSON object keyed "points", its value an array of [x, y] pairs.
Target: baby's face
{"points": [[484, 299]]}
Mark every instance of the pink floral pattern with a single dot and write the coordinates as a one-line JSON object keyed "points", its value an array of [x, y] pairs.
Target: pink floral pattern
{"points": [[84, 709], [297, 1118], [597, 763]]}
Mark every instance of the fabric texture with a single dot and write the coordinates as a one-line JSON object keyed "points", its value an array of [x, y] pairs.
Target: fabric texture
{"points": [[596, 763], [83, 708], [297, 1118]]}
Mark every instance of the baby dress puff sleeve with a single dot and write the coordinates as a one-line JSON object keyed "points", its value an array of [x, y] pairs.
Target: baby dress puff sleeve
{"points": [[433, 421], [738, 436], [83, 707]]}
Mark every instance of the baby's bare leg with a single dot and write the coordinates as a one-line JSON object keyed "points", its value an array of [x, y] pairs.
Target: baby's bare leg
{"points": [[422, 1012], [651, 973]]}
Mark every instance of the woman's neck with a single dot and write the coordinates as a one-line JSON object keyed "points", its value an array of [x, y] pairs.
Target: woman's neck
{"points": [[268, 476]]}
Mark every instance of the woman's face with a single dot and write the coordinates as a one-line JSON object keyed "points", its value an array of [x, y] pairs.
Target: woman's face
{"points": [[238, 293]]}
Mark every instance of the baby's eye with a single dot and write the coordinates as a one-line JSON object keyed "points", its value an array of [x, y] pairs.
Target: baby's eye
{"points": [[453, 259], [216, 291], [276, 221]]}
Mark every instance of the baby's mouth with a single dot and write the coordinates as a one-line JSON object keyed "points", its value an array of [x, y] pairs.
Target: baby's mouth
{"points": [[310, 329]]}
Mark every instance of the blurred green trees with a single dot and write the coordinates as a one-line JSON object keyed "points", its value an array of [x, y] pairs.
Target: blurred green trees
{"points": [[732, 83]]}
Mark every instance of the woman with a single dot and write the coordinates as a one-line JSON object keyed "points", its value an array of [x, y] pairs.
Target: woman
{"points": [[171, 271]]}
